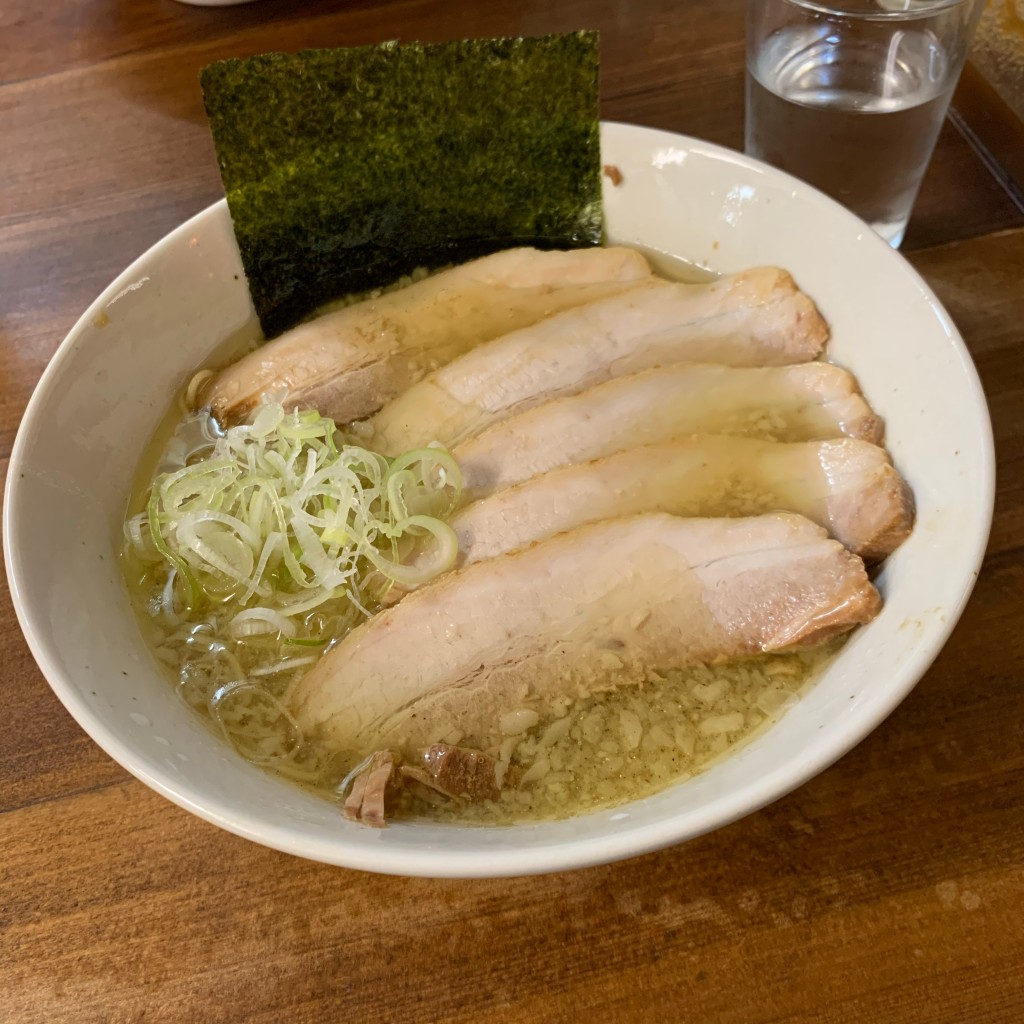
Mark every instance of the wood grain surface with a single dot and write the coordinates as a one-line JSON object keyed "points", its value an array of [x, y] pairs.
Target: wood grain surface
{"points": [[889, 889]]}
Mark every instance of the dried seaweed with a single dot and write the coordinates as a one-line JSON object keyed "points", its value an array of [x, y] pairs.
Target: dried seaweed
{"points": [[345, 169]]}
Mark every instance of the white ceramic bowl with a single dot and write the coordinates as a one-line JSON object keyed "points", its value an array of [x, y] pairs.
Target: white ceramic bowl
{"points": [[109, 383]]}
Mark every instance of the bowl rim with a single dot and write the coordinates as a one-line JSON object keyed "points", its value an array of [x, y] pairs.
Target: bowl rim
{"points": [[558, 854]]}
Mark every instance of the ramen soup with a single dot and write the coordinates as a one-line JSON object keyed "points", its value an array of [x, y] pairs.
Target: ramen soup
{"points": [[527, 537]]}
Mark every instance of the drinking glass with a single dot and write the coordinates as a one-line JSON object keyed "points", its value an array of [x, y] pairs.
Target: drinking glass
{"points": [[849, 95]]}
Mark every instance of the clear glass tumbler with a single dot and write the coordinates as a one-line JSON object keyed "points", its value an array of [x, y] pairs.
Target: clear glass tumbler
{"points": [[849, 95]]}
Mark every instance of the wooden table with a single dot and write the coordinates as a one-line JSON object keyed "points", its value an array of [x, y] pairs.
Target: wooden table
{"points": [[890, 889]]}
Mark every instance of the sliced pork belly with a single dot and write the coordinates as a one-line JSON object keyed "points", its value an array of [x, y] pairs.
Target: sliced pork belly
{"points": [[348, 363], [849, 487], [366, 800], [806, 402], [457, 773], [585, 611], [756, 318]]}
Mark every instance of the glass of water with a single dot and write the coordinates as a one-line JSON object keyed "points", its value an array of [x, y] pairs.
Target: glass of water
{"points": [[849, 95]]}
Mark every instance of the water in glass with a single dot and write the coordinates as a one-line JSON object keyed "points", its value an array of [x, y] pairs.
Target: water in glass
{"points": [[857, 123]]}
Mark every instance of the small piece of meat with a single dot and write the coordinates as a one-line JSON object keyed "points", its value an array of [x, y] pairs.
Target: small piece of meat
{"points": [[457, 772], [849, 487], [349, 362], [806, 402], [613, 174], [755, 318], [589, 610], [365, 801]]}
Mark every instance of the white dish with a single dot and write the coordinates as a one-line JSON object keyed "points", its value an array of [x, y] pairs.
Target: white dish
{"points": [[110, 382]]}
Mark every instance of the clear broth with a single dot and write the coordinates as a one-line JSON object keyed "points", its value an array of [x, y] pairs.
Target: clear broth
{"points": [[576, 756]]}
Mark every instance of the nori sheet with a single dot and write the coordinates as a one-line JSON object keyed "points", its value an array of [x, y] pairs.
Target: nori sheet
{"points": [[345, 169]]}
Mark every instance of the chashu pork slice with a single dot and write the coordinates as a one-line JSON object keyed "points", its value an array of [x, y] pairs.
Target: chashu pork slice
{"points": [[349, 362], [806, 402], [589, 610], [849, 487], [754, 318]]}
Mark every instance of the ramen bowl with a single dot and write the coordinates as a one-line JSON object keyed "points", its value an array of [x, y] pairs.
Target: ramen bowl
{"points": [[112, 381]]}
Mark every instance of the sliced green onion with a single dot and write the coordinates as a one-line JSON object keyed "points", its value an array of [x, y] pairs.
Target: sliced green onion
{"points": [[278, 513], [443, 553], [260, 621], [193, 594]]}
